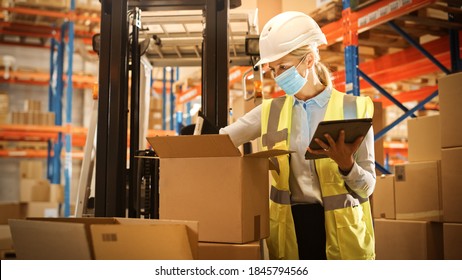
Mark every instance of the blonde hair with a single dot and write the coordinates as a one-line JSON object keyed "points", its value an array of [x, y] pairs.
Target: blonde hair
{"points": [[321, 70]]}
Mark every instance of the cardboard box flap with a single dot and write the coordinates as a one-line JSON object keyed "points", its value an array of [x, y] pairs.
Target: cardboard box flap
{"points": [[269, 154], [191, 146], [46, 240], [192, 228], [129, 242]]}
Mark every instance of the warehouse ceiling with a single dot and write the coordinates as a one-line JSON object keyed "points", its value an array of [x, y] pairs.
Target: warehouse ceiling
{"points": [[176, 37]]}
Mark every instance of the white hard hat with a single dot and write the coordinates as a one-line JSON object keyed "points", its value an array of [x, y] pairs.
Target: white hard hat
{"points": [[287, 32]]}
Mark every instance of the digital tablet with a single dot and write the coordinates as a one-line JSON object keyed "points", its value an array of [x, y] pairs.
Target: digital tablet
{"points": [[354, 128]]}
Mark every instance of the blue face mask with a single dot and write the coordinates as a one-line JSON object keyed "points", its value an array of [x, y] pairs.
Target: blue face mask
{"points": [[290, 81]]}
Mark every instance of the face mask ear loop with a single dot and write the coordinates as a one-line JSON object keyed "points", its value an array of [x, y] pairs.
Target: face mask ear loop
{"points": [[307, 71]]}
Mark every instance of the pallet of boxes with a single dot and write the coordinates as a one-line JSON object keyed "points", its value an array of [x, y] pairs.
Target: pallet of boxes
{"points": [[33, 115], [39, 197], [205, 178], [450, 97], [416, 210], [36, 198]]}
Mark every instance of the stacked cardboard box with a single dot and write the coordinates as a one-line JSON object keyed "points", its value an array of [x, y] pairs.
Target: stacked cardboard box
{"points": [[6, 243], [450, 97], [4, 107], [408, 240], [11, 210], [205, 178], [429, 187], [407, 206], [33, 115], [155, 113], [41, 198]]}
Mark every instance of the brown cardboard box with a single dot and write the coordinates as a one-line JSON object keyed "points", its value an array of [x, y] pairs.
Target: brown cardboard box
{"points": [[3, 118], [418, 191], [452, 236], [4, 103], [31, 169], [383, 199], [6, 243], [205, 178], [228, 251], [451, 167], [11, 210], [450, 98], [34, 190], [408, 240], [424, 138], [103, 238], [192, 229], [56, 193], [155, 103], [42, 209]]}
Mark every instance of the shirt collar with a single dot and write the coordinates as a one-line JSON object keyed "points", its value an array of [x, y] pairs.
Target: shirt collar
{"points": [[320, 99]]}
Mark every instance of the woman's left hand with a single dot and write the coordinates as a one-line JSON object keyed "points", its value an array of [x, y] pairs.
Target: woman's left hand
{"points": [[340, 152]]}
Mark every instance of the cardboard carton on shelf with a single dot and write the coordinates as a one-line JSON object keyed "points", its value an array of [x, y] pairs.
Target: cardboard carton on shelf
{"points": [[42, 209], [34, 190], [104, 239], [31, 169], [205, 178]]}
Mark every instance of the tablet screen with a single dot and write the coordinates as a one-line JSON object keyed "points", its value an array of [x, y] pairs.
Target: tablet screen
{"points": [[354, 128]]}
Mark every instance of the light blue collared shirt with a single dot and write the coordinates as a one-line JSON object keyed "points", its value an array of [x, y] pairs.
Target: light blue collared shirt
{"points": [[306, 115]]}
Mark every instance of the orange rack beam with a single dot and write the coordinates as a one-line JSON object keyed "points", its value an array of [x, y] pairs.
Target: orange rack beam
{"points": [[42, 78], [371, 16], [52, 14], [35, 154], [11, 132], [406, 64]]}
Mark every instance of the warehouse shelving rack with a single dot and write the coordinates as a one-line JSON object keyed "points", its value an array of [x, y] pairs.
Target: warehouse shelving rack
{"points": [[55, 22], [410, 62]]}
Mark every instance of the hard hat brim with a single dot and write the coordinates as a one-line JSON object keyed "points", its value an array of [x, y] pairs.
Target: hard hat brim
{"points": [[271, 58]]}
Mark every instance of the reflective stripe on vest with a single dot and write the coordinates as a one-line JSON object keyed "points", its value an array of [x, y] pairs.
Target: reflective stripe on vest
{"points": [[272, 135], [276, 119], [279, 196], [342, 201]]}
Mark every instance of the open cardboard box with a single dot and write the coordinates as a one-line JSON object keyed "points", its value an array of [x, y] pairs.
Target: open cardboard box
{"points": [[205, 178], [104, 239]]}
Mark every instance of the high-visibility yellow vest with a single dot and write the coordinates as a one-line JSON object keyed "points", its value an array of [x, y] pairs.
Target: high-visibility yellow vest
{"points": [[276, 124], [348, 220]]}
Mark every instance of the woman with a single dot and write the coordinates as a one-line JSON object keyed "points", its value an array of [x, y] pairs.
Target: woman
{"points": [[318, 208]]}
